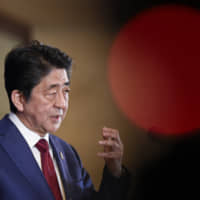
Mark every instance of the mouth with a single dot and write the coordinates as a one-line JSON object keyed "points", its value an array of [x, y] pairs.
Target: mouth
{"points": [[56, 118]]}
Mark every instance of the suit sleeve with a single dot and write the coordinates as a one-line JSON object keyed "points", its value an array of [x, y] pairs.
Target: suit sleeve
{"points": [[110, 187]]}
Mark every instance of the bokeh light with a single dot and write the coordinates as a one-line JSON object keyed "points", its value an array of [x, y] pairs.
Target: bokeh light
{"points": [[154, 69]]}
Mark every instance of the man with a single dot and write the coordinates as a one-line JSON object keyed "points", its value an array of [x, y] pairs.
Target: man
{"points": [[36, 165]]}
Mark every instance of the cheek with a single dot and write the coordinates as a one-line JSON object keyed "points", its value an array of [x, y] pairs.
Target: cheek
{"points": [[64, 114], [40, 110], [67, 106], [65, 110]]}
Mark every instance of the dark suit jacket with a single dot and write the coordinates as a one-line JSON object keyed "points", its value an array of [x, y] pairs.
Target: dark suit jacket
{"points": [[22, 179]]}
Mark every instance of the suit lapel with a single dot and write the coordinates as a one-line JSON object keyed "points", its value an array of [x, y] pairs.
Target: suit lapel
{"points": [[61, 162], [18, 150]]}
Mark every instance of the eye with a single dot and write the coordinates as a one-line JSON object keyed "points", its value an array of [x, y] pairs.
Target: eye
{"points": [[66, 91], [51, 94]]}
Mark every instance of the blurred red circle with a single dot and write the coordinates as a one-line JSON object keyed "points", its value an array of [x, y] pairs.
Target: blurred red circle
{"points": [[154, 69]]}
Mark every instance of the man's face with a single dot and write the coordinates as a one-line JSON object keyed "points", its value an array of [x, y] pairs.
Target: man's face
{"points": [[48, 103]]}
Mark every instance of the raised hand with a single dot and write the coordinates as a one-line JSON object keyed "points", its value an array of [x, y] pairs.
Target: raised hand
{"points": [[113, 150]]}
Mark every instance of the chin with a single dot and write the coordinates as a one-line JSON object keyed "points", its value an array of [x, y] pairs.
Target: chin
{"points": [[53, 129]]}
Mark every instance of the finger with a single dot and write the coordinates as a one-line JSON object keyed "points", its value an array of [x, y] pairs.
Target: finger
{"points": [[107, 129], [109, 143], [106, 148], [111, 133], [110, 154]]}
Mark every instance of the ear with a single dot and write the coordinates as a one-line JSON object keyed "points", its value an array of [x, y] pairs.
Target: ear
{"points": [[18, 100]]}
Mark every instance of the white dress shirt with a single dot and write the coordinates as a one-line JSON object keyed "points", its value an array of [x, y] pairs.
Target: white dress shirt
{"points": [[32, 139]]}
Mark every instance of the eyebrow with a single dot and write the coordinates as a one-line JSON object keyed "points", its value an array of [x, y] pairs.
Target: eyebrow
{"points": [[56, 85]]}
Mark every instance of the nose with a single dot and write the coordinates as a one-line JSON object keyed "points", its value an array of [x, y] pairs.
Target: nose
{"points": [[61, 101]]}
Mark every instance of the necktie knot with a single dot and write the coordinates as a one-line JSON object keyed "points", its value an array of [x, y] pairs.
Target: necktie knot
{"points": [[42, 145]]}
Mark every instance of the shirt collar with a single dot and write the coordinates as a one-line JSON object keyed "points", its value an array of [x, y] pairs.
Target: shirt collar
{"points": [[30, 136]]}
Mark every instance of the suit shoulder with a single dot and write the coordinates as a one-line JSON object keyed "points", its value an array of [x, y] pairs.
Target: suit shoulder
{"points": [[67, 148], [6, 125], [57, 139], [65, 145]]}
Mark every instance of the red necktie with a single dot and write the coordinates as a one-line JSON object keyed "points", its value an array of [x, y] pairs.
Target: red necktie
{"points": [[48, 168]]}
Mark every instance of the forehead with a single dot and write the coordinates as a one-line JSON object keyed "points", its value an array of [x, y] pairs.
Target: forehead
{"points": [[55, 77]]}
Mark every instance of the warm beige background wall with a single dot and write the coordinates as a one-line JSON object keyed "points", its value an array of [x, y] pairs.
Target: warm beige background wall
{"points": [[81, 29]]}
